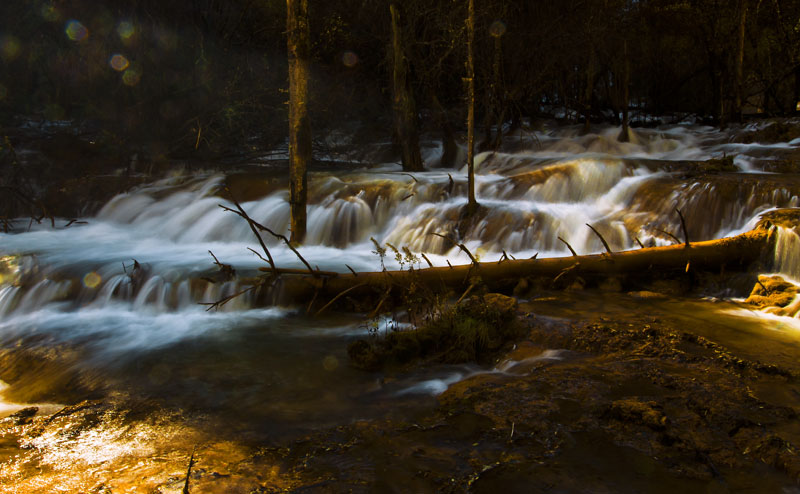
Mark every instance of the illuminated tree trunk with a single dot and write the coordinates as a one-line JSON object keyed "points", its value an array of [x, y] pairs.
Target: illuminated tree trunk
{"points": [[472, 204], [405, 113], [797, 88], [299, 124]]}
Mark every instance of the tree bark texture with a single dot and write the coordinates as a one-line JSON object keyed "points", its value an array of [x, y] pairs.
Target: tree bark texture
{"points": [[634, 266], [737, 110], [472, 203], [624, 135], [405, 111], [298, 43]]}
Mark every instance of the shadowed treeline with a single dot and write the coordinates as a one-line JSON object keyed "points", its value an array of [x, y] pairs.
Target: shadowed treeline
{"points": [[209, 77]]}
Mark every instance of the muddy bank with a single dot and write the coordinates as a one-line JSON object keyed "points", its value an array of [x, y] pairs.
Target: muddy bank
{"points": [[607, 400]]}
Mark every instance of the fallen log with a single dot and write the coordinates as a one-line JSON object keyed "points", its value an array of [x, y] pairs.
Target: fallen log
{"points": [[631, 267]]}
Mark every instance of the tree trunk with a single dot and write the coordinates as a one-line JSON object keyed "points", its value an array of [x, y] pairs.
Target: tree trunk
{"points": [[587, 97], [405, 112], [797, 88], [737, 109], [497, 90], [472, 203], [632, 268], [624, 135], [298, 45], [449, 147]]}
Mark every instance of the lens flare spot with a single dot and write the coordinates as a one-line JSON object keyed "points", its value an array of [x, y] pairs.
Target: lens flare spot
{"points": [[330, 363], [76, 31], [132, 75], [349, 59], [126, 30], [119, 62], [9, 48], [92, 280], [497, 29]]}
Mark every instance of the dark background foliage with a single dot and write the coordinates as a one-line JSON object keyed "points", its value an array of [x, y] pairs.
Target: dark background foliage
{"points": [[208, 77]]}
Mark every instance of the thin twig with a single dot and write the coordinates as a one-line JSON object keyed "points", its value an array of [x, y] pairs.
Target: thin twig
{"points": [[351, 270], [638, 241], [460, 246], [380, 303], [466, 292], [257, 254], [313, 299], [254, 224], [605, 244], [219, 303], [683, 227], [250, 223], [574, 254], [189, 472], [334, 299], [673, 237], [430, 264]]}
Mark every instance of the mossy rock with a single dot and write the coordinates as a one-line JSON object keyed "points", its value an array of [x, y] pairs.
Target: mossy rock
{"points": [[772, 291], [718, 165], [474, 331]]}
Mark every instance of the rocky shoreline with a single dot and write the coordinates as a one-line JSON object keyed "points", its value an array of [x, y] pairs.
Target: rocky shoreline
{"points": [[640, 402]]}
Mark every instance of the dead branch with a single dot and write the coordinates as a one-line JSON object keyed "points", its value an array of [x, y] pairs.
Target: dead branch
{"points": [[574, 254], [673, 237], [334, 299], [219, 303], [412, 177], [683, 227], [466, 292], [254, 224], [460, 246], [317, 273], [605, 244], [189, 470], [250, 223]]}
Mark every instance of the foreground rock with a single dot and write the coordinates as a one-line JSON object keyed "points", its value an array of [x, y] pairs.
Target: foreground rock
{"points": [[603, 402]]}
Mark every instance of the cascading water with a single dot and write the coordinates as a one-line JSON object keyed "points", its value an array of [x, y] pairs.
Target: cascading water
{"points": [[130, 282], [115, 305]]}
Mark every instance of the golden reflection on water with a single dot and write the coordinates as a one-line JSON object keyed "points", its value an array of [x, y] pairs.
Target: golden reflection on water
{"points": [[74, 455], [9, 270]]}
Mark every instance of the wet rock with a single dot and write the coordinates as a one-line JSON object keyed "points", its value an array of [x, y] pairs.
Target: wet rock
{"points": [[473, 331], [500, 303], [772, 133], [772, 291], [24, 416], [638, 412]]}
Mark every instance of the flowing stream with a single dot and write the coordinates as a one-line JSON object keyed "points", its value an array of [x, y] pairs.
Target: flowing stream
{"points": [[114, 304]]}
